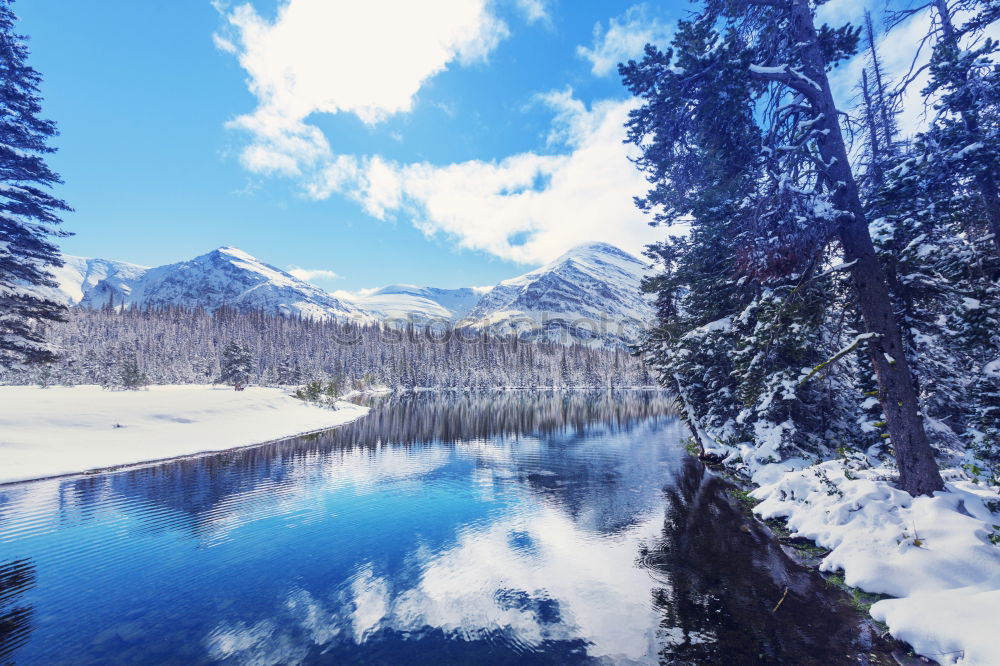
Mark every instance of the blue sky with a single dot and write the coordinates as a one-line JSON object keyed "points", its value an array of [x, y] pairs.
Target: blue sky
{"points": [[448, 143], [143, 94]]}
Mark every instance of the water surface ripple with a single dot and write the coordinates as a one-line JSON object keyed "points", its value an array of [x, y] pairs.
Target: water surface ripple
{"points": [[518, 527]]}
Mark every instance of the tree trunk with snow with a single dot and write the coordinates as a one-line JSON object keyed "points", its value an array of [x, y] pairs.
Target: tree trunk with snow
{"points": [[918, 472]]}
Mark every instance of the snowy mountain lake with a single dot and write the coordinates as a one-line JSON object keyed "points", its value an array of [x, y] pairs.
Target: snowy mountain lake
{"points": [[483, 528]]}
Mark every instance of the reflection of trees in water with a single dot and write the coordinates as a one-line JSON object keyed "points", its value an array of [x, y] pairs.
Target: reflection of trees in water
{"points": [[722, 575], [453, 416], [16, 578], [194, 487], [605, 483]]}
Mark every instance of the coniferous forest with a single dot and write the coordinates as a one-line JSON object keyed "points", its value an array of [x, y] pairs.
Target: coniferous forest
{"points": [[114, 348]]}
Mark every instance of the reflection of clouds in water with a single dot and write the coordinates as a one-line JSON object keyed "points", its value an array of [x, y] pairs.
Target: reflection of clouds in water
{"points": [[366, 467], [32, 507], [496, 451], [370, 596], [259, 644], [48, 505], [560, 566], [302, 493], [542, 555], [313, 623], [535, 576]]}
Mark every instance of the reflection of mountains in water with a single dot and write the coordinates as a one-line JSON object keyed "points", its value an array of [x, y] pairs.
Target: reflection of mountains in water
{"points": [[450, 417]]}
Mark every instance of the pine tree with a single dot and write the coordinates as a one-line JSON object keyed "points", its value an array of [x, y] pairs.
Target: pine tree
{"points": [[236, 365], [130, 376], [966, 85], [912, 241], [763, 84], [29, 214], [287, 373]]}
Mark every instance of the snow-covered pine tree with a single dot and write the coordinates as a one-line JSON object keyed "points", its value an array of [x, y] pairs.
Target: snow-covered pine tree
{"points": [[179, 346], [735, 330], [965, 88], [768, 72], [29, 213], [702, 159], [965, 136], [911, 245], [236, 365], [287, 373], [130, 375]]}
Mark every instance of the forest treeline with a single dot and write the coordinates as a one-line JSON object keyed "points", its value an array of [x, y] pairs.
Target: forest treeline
{"points": [[175, 345], [836, 283]]}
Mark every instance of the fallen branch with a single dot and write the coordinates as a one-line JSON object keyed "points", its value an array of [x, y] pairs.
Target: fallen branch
{"points": [[778, 605]]}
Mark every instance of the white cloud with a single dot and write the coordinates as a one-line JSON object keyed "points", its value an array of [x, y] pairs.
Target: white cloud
{"points": [[534, 10], [371, 59], [838, 12], [334, 56], [310, 274], [345, 295], [528, 207], [623, 39]]}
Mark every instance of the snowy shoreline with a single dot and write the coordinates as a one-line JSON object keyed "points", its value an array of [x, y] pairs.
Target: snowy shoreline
{"points": [[61, 431], [936, 558]]}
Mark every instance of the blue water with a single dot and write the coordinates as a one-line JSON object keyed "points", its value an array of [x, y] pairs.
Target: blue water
{"points": [[498, 528]]}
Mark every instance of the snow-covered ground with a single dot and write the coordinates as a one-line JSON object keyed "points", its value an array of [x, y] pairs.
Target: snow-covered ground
{"points": [[939, 556], [62, 430]]}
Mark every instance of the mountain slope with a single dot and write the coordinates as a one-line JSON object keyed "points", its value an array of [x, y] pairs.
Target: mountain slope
{"points": [[79, 276], [224, 277], [409, 303], [591, 293]]}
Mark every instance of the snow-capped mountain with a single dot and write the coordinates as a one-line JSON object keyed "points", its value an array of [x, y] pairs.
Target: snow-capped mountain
{"points": [[407, 302], [591, 292], [226, 276]]}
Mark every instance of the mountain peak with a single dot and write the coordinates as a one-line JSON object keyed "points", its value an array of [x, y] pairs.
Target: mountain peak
{"points": [[598, 248], [595, 246], [234, 252], [594, 285]]}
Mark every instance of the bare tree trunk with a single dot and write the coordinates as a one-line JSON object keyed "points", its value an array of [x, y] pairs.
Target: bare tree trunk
{"points": [[878, 177], [918, 472], [888, 125]]}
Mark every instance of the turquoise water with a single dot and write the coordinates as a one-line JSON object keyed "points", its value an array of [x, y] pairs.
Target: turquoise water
{"points": [[485, 528]]}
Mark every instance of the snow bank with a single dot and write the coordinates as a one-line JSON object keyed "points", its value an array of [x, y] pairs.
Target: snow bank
{"points": [[61, 430], [933, 553]]}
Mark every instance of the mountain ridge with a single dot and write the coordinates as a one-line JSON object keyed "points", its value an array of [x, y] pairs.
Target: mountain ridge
{"points": [[589, 294], [226, 276]]}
